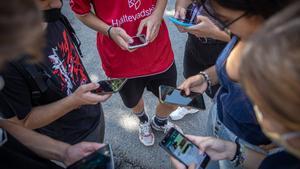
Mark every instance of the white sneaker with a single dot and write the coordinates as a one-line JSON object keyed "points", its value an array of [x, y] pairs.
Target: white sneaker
{"points": [[146, 135], [180, 112], [166, 127]]}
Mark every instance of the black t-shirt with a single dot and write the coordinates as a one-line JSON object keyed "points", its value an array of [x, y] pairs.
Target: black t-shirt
{"points": [[63, 64], [281, 160], [14, 155]]}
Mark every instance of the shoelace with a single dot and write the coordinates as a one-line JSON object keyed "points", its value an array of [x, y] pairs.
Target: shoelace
{"points": [[145, 129]]}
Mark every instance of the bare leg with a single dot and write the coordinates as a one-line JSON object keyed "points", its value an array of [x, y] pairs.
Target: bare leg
{"points": [[139, 107]]}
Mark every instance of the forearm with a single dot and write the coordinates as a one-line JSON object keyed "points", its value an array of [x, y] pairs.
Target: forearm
{"points": [[160, 8], [212, 74], [182, 4], [42, 145], [221, 35], [253, 159], [43, 115], [94, 23]]}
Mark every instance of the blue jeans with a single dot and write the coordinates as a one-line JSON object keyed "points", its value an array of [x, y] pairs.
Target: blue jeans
{"points": [[217, 129]]}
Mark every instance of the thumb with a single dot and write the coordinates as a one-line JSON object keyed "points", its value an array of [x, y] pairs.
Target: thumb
{"points": [[192, 166], [125, 36], [89, 147], [89, 87], [200, 19]]}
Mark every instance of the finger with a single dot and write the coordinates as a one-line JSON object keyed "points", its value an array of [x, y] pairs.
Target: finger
{"points": [[91, 146], [149, 29], [89, 87], [177, 14], [182, 13], [140, 28], [177, 164], [154, 33], [95, 98], [200, 19], [192, 166], [125, 36]]}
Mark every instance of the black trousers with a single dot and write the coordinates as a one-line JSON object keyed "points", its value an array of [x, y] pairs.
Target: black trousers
{"points": [[200, 55]]}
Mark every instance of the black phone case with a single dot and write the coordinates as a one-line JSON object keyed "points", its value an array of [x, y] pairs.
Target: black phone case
{"points": [[204, 162]]}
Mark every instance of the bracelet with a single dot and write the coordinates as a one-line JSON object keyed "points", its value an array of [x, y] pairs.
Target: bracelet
{"points": [[207, 79], [239, 156], [108, 31]]}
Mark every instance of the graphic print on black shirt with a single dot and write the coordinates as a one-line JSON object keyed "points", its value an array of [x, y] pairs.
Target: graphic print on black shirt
{"points": [[65, 61]]}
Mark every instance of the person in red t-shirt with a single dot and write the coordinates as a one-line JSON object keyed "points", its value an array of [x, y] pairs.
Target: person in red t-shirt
{"points": [[148, 67]]}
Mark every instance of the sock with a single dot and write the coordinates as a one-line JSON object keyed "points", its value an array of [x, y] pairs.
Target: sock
{"points": [[142, 116], [160, 121]]}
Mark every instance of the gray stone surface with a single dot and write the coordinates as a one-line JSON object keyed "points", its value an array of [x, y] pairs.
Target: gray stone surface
{"points": [[121, 125]]}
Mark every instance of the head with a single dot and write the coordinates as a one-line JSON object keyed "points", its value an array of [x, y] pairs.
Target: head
{"points": [[20, 29], [48, 4], [270, 75], [243, 17]]}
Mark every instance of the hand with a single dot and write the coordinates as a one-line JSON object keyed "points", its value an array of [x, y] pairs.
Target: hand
{"points": [[194, 83], [216, 149], [120, 37], [84, 96], [206, 28], [152, 23], [78, 151], [180, 13], [179, 165]]}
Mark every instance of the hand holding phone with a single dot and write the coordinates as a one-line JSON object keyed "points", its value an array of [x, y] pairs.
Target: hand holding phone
{"points": [[182, 149], [171, 95], [100, 159], [110, 86], [138, 42]]}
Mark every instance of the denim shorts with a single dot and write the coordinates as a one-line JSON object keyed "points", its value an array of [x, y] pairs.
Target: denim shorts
{"points": [[217, 129]]}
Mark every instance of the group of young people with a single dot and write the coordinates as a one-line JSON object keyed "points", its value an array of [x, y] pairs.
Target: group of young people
{"points": [[253, 78]]}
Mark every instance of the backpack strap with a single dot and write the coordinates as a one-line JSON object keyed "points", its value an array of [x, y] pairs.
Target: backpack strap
{"points": [[35, 78]]}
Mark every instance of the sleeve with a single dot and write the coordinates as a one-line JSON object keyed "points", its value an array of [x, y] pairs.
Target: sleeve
{"points": [[80, 7], [15, 97]]}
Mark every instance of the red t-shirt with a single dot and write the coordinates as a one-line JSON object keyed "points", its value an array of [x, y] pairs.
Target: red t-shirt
{"points": [[154, 58]]}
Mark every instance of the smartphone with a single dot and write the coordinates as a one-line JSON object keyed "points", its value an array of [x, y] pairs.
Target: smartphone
{"points": [[171, 95], [110, 86], [138, 41], [181, 148], [181, 22], [100, 159]]}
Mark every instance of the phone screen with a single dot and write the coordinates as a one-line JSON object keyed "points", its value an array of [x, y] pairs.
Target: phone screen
{"points": [[175, 96], [110, 86], [184, 150], [100, 159], [138, 41]]}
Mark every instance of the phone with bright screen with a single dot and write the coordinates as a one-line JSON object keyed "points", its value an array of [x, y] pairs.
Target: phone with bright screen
{"points": [[138, 41], [171, 95], [110, 86], [178, 146], [100, 159]]}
